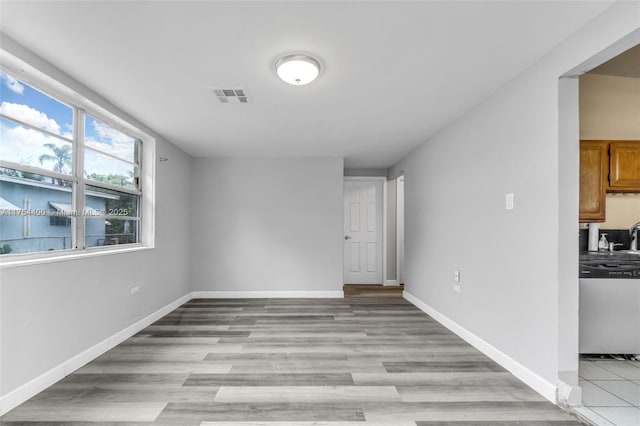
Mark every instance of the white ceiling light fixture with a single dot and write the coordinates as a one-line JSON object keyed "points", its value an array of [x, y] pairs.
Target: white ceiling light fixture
{"points": [[297, 69]]}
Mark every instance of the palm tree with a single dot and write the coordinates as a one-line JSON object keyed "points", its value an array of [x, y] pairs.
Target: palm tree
{"points": [[61, 157]]}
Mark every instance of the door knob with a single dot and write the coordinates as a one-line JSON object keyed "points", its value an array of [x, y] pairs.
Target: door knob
{"points": [[346, 237]]}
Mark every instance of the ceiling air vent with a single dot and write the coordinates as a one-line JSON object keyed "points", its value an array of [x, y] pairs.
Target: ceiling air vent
{"points": [[236, 95]]}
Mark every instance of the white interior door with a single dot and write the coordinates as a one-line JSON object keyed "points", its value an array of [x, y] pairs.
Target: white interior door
{"points": [[363, 232]]}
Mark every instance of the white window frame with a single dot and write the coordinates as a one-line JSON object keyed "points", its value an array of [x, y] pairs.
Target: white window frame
{"points": [[82, 182], [81, 106]]}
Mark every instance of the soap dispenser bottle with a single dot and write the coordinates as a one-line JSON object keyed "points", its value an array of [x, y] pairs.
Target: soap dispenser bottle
{"points": [[603, 244]]}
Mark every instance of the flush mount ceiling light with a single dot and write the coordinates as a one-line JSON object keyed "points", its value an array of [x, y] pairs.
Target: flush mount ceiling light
{"points": [[297, 69]]}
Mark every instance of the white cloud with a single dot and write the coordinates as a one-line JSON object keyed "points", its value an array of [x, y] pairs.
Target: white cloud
{"points": [[110, 133], [112, 141], [13, 84], [24, 145], [30, 115]]}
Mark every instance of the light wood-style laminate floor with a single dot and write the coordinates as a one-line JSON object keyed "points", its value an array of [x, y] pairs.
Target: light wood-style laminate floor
{"points": [[286, 362], [372, 290]]}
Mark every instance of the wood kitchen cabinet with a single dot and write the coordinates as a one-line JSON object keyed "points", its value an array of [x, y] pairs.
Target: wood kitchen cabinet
{"points": [[594, 170], [624, 167]]}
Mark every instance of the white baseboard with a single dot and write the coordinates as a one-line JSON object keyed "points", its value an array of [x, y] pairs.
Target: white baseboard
{"points": [[390, 282], [532, 379], [266, 294], [21, 394], [568, 396]]}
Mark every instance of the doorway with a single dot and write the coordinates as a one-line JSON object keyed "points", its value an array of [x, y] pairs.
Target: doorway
{"points": [[363, 239], [572, 388]]}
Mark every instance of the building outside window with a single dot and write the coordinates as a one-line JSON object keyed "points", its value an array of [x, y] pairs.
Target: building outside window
{"points": [[68, 180]]}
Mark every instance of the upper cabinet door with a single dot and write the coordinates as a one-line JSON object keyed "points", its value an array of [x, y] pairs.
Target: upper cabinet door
{"points": [[594, 168], [625, 166]]}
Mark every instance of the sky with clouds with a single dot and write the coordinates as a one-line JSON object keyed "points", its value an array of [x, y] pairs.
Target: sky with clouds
{"points": [[24, 144]]}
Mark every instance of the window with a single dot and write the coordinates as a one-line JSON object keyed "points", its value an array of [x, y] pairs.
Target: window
{"points": [[68, 180], [111, 165]]}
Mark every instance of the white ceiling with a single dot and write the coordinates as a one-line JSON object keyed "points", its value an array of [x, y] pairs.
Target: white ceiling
{"points": [[393, 72]]}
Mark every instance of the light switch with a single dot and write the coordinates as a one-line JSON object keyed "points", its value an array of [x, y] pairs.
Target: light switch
{"points": [[508, 201], [456, 276]]}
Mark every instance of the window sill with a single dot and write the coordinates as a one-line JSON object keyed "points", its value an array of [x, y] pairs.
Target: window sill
{"points": [[62, 256]]}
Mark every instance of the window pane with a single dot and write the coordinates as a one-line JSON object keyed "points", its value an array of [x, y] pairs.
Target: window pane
{"points": [[110, 203], [105, 138], [107, 232], [102, 168], [23, 145], [24, 103], [35, 214]]}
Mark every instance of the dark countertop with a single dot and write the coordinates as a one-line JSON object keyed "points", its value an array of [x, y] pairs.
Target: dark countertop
{"points": [[622, 255], [605, 264]]}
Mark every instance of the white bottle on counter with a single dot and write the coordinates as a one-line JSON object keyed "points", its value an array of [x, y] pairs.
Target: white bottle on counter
{"points": [[603, 244]]}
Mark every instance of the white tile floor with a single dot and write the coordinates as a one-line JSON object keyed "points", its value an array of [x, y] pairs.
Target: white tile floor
{"points": [[610, 391]]}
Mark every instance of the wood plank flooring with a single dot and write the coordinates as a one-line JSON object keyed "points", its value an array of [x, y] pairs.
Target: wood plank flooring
{"points": [[372, 290], [286, 362]]}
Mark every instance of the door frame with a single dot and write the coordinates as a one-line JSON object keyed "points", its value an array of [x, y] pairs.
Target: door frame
{"points": [[400, 254], [379, 205]]}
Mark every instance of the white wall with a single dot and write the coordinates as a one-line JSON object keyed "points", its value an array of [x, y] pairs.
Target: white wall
{"points": [[455, 186], [609, 107], [51, 312], [267, 224], [622, 211]]}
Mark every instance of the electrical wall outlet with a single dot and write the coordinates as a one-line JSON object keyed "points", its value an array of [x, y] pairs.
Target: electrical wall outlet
{"points": [[457, 288], [135, 289]]}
